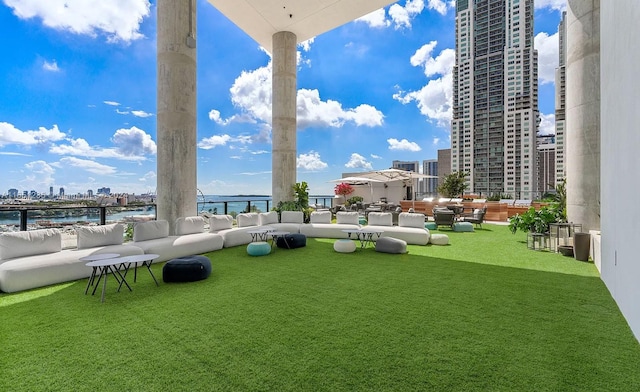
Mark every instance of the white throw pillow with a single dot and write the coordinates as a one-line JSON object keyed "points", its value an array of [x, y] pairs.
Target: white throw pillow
{"points": [[94, 236], [29, 243], [220, 222], [189, 225], [407, 219], [320, 217], [267, 218], [292, 217], [247, 219], [143, 231], [349, 218], [379, 219]]}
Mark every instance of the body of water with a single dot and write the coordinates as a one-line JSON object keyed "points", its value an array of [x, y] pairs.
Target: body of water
{"points": [[206, 203]]}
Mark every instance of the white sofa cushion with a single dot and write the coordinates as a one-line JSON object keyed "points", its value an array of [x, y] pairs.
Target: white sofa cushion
{"points": [[144, 231], [380, 219], [292, 217], [93, 236], [181, 245], [267, 218], [347, 218], [189, 225], [407, 219], [28, 243], [220, 222], [247, 219], [320, 217]]}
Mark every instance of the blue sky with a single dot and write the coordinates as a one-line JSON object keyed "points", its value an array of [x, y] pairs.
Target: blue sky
{"points": [[78, 95]]}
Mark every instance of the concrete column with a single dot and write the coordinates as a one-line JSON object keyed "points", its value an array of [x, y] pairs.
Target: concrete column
{"points": [[176, 129], [283, 135], [583, 113]]}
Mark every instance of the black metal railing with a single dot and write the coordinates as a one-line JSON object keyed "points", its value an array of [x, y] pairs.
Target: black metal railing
{"points": [[58, 216]]}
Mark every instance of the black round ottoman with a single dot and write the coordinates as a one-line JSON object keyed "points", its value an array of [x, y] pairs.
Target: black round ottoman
{"points": [[186, 269], [291, 241]]}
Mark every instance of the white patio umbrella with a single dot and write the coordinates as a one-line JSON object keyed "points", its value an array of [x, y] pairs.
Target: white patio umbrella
{"points": [[386, 175], [358, 181]]}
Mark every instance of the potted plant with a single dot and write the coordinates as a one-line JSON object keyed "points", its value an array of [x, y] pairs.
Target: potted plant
{"points": [[343, 189], [354, 200], [536, 221]]}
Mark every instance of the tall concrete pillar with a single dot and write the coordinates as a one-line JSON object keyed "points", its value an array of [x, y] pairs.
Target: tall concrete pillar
{"points": [[583, 113], [283, 135], [176, 129]]}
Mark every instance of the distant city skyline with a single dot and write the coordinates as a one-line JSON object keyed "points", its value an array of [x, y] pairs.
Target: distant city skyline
{"points": [[78, 104]]}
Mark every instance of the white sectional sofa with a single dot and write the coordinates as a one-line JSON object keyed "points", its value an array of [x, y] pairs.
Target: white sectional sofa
{"points": [[320, 225], [410, 226], [191, 239], [30, 259]]}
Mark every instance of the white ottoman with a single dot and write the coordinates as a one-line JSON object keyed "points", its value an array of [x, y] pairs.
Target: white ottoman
{"points": [[344, 246], [439, 239]]}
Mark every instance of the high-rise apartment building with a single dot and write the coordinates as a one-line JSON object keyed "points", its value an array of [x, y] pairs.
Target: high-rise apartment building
{"points": [[429, 186], [495, 97], [413, 166], [444, 165], [561, 85], [546, 163]]}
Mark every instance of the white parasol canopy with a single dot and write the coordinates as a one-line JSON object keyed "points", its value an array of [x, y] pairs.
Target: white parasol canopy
{"points": [[355, 180]]}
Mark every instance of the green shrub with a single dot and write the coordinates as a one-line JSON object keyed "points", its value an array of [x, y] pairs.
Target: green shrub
{"points": [[536, 221]]}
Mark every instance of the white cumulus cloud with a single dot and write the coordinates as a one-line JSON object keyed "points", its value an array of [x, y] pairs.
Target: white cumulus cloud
{"points": [[85, 164], [547, 46], [547, 124], [149, 176], [9, 134], [311, 161], [50, 66], [214, 141], [119, 21], [130, 145], [402, 16], [134, 142], [251, 94], [313, 112], [141, 113], [558, 5], [375, 19], [40, 175], [435, 99], [403, 145], [357, 161]]}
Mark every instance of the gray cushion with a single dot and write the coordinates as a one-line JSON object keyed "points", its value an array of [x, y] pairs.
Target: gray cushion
{"points": [[391, 245]]}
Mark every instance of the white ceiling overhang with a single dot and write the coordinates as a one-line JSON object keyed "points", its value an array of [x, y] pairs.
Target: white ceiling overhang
{"points": [[261, 19]]}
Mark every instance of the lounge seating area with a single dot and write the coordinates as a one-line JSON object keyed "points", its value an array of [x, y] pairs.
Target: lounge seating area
{"points": [[36, 258]]}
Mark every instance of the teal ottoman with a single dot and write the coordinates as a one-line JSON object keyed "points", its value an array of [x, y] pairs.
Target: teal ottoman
{"points": [[463, 226], [258, 248], [431, 226]]}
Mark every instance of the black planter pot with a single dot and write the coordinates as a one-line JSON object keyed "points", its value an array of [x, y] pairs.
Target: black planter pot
{"points": [[581, 246]]}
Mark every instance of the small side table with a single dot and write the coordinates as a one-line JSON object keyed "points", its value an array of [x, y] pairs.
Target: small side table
{"points": [[96, 257], [146, 261]]}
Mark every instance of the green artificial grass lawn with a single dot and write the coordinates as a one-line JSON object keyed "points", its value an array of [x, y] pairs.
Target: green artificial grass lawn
{"points": [[484, 314]]}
